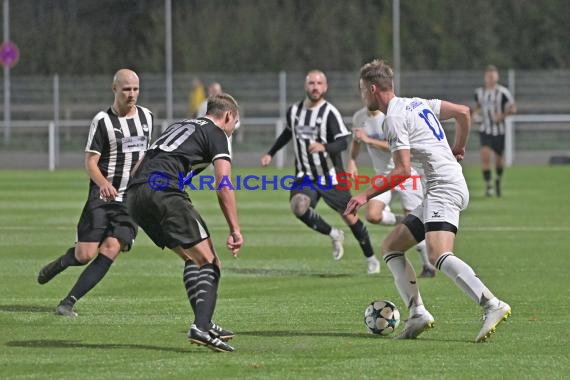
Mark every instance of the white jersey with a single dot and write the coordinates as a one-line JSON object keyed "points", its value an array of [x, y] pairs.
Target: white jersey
{"points": [[412, 123], [372, 126]]}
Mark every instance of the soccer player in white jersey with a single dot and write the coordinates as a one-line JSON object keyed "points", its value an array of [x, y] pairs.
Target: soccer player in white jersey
{"points": [[412, 128], [367, 130]]}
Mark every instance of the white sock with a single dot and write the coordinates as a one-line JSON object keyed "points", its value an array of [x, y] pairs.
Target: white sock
{"points": [[388, 218], [404, 278], [421, 247], [464, 277], [335, 233]]}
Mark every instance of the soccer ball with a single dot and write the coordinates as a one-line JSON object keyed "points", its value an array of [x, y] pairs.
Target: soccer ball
{"points": [[381, 317]]}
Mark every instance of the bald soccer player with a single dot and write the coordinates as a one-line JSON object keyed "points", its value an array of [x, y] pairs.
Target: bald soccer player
{"points": [[118, 139], [320, 136]]}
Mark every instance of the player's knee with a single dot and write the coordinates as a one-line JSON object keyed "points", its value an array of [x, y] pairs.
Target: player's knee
{"points": [[385, 248], [300, 203], [433, 251], [110, 248], [396, 241], [374, 218], [85, 255], [433, 256]]}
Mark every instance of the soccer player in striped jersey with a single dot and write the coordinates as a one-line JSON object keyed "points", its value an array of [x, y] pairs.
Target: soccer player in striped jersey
{"points": [[367, 130], [493, 104], [118, 138], [319, 136], [412, 128]]}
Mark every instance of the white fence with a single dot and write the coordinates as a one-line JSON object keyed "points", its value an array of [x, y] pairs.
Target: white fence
{"points": [[555, 126], [542, 96]]}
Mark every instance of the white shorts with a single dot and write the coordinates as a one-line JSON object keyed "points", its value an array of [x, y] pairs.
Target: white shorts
{"points": [[411, 195], [443, 203]]}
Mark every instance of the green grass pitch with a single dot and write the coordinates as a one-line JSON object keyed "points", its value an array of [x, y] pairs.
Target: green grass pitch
{"points": [[297, 314]]}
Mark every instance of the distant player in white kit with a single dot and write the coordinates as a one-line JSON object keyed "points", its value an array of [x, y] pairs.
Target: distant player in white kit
{"points": [[367, 130], [412, 128]]}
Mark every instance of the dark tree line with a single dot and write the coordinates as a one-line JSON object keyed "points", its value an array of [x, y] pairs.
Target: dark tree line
{"points": [[98, 36]]}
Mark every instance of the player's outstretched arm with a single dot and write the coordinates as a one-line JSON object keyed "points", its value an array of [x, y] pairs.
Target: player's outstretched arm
{"points": [[462, 116], [227, 201], [106, 189]]}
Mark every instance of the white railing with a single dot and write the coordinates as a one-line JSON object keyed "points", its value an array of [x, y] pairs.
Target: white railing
{"points": [[278, 126]]}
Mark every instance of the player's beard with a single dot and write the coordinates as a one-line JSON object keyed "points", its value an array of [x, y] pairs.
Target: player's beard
{"points": [[315, 96], [373, 105]]}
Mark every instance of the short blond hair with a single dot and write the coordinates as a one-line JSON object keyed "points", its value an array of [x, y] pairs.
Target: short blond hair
{"points": [[218, 104], [379, 73]]}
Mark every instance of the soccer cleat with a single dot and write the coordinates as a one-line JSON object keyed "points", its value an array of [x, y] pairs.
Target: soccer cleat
{"points": [[427, 272], [415, 325], [65, 308], [203, 338], [50, 271], [493, 315], [338, 249], [498, 187], [373, 265], [218, 332], [489, 191]]}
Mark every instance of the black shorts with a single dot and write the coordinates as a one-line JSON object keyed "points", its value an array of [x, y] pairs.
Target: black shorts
{"points": [[167, 216], [100, 220], [336, 199], [496, 143]]}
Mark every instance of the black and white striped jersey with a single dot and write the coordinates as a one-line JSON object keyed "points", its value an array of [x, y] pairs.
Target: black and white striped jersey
{"points": [[493, 101], [322, 124], [120, 142], [185, 149]]}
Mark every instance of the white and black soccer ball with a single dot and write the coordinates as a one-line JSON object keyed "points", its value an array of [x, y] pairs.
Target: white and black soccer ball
{"points": [[381, 317]]}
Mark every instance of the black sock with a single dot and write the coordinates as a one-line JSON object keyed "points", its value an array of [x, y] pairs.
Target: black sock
{"points": [[206, 296], [312, 219], [90, 276], [487, 177], [499, 171], [190, 278], [69, 260], [361, 234]]}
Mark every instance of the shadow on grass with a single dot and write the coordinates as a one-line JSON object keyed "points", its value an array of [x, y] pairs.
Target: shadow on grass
{"points": [[322, 334], [285, 272], [54, 343], [27, 309]]}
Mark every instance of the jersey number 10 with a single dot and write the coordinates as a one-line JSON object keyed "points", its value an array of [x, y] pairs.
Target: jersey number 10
{"points": [[426, 114], [173, 137]]}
